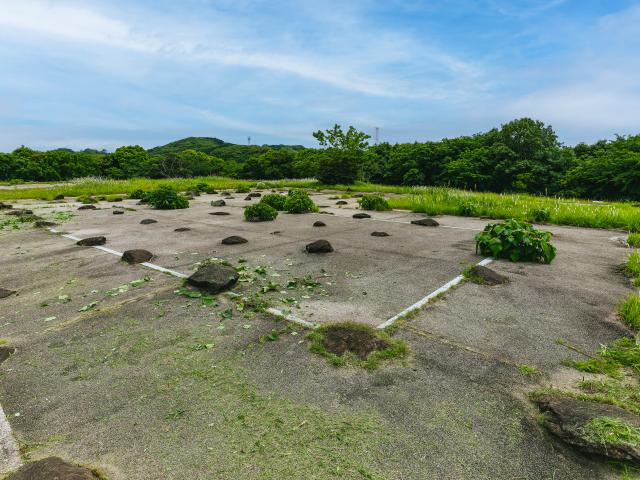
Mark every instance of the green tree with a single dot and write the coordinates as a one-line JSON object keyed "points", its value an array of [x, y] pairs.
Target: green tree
{"points": [[343, 154]]}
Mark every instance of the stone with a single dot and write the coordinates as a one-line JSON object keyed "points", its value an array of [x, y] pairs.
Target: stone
{"points": [[44, 223], [87, 207], [255, 194], [425, 222], [5, 292], [141, 202], [487, 276], [92, 241], [234, 240], [319, 224], [19, 212], [566, 418], [137, 256], [380, 234], [218, 203], [226, 194], [361, 215], [220, 214], [326, 213], [6, 352], [148, 221], [182, 229], [118, 212], [214, 278], [319, 246], [248, 197], [342, 202], [52, 468], [5, 206], [59, 197], [358, 195]]}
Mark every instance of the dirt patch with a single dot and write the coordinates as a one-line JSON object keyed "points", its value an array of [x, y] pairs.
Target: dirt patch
{"points": [[342, 339], [5, 292], [53, 468], [485, 276]]}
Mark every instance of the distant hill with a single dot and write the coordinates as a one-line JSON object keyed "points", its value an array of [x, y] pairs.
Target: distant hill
{"points": [[217, 147]]}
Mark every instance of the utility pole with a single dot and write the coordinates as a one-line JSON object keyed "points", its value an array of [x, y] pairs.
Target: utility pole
{"points": [[377, 134], [249, 140]]}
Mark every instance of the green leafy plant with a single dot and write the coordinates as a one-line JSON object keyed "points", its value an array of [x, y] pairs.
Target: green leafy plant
{"points": [[166, 198], [137, 194], [260, 212], [629, 311], [243, 189], [298, 201], [468, 209], [275, 200], [374, 202], [540, 215], [517, 241], [634, 239], [86, 200]]}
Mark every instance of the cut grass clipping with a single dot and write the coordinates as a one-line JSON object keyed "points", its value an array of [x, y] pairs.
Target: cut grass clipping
{"points": [[374, 202], [350, 343], [517, 241], [260, 212]]}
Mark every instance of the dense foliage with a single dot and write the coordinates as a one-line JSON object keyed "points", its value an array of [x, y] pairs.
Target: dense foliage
{"points": [[374, 202], [517, 241], [298, 201], [166, 198], [521, 156], [275, 200], [260, 212]]}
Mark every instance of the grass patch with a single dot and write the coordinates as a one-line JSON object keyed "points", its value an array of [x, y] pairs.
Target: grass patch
{"points": [[260, 212], [629, 311], [634, 239], [528, 369], [469, 274], [611, 431], [633, 267], [350, 343], [374, 202]]}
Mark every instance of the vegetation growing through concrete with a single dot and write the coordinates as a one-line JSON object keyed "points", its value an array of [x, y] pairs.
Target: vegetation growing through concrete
{"points": [[607, 430], [633, 239], [260, 212], [166, 198], [629, 311], [516, 241], [298, 201], [391, 348], [374, 202], [275, 200]]}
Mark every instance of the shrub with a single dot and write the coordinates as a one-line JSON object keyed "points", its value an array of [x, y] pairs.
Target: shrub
{"points": [[374, 202], [517, 241], [243, 189], [338, 166], [166, 198], [298, 201], [137, 194], [540, 215], [634, 239], [260, 212], [468, 209], [629, 311], [86, 199], [261, 186], [275, 200], [202, 187]]}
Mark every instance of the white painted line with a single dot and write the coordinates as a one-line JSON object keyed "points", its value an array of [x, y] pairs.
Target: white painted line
{"points": [[9, 453], [119, 254], [422, 302], [291, 318]]}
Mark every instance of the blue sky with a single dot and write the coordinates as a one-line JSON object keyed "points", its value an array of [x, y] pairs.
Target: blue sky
{"points": [[101, 74]]}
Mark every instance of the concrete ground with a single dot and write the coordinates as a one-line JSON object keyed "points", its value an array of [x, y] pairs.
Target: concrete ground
{"points": [[115, 369]]}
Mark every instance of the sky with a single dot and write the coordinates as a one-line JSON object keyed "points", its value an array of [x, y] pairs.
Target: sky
{"points": [[101, 74]]}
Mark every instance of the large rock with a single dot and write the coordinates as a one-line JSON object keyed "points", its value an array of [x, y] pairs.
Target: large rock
{"points": [[5, 292], [148, 221], [214, 278], [182, 229], [219, 214], [218, 203], [19, 212], [487, 276], [92, 241], [5, 206], [380, 234], [248, 197], [44, 223], [425, 222], [52, 468], [319, 224], [341, 202], [137, 256], [319, 246], [255, 194], [234, 240], [567, 417], [87, 207], [361, 215], [118, 212]]}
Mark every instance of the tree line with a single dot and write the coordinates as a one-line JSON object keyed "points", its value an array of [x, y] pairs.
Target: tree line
{"points": [[523, 155]]}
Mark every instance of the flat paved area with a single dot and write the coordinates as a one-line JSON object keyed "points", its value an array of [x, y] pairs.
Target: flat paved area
{"points": [[114, 369]]}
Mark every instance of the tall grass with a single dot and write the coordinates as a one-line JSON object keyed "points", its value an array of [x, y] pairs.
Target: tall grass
{"points": [[430, 200]]}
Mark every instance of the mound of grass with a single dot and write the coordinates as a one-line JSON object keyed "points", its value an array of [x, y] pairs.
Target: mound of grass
{"points": [[350, 343], [275, 200], [374, 202], [86, 200], [633, 267], [243, 189], [166, 198], [629, 311], [633, 239], [540, 215], [260, 212], [137, 194], [298, 201], [517, 241], [608, 431]]}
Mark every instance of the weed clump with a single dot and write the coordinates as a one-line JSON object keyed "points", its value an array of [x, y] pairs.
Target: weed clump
{"points": [[87, 200], [610, 431], [517, 241], [243, 189], [540, 215], [354, 343], [629, 311], [275, 200], [137, 194], [166, 198], [633, 239], [260, 212], [374, 202], [298, 201]]}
